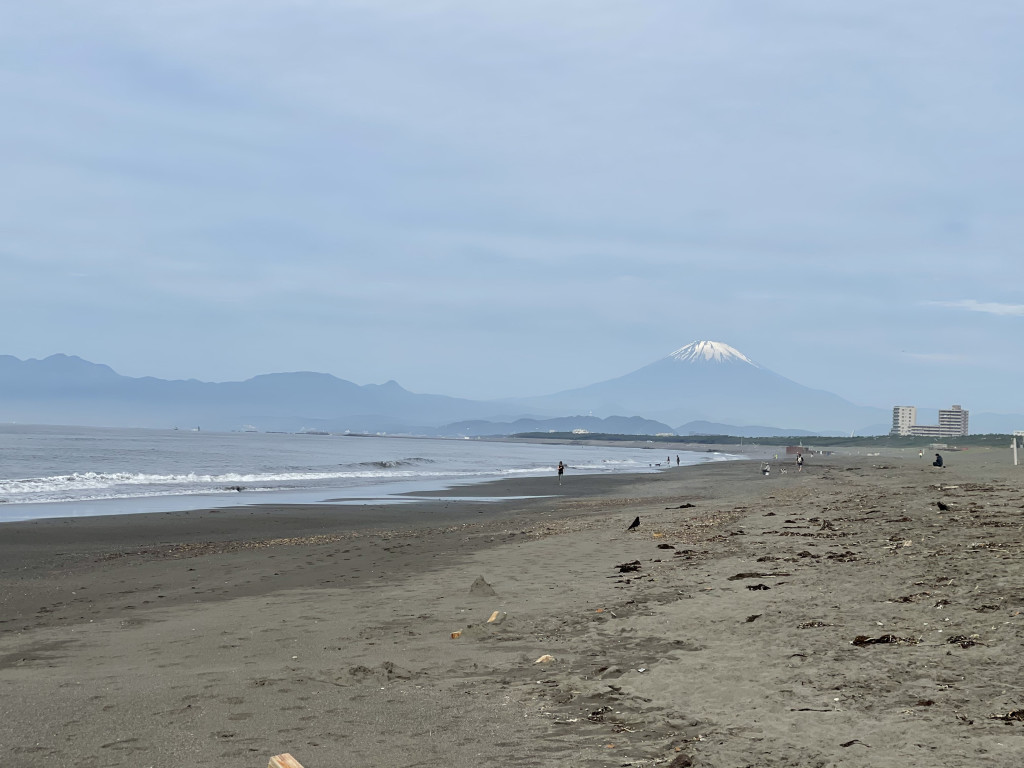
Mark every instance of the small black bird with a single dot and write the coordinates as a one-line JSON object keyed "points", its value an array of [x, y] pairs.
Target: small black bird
{"points": [[634, 525]]}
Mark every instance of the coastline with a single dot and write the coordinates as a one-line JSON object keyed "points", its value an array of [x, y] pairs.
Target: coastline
{"points": [[222, 637]]}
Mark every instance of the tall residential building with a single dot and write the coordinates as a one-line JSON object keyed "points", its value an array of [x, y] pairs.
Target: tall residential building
{"points": [[952, 422], [903, 418]]}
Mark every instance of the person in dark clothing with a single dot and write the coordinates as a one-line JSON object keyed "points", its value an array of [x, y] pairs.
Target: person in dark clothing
{"points": [[938, 461]]}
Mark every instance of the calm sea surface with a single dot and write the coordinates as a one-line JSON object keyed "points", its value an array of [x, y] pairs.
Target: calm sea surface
{"points": [[78, 471]]}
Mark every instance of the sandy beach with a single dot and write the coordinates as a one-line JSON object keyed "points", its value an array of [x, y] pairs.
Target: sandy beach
{"points": [[867, 611]]}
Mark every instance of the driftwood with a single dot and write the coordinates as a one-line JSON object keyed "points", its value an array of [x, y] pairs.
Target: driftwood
{"points": [[284, 761]]}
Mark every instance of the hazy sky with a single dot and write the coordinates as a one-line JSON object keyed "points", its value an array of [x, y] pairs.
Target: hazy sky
{"points": [[511, 198]]}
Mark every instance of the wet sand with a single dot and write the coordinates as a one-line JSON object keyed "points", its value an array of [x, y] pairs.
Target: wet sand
{"points": [[835, 616]]}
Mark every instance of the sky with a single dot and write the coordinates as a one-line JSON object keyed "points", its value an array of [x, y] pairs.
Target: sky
{"points": [[516, 198]]}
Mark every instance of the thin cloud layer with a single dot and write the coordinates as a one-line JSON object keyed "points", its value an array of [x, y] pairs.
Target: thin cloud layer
{"points": [[988, 307], [503, 199]]}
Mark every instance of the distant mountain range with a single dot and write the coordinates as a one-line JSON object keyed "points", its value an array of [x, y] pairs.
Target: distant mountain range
{"points": [[709, 380], [703, 388]]}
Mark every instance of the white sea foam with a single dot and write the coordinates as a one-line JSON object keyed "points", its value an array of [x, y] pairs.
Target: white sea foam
{"points": [[66, 467]]}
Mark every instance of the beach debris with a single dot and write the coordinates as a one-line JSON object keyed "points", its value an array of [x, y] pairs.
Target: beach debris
{"points": [[687, 505], [547, 658], [843, 557], [924, 702], [1016, 715], [456, 635], [913, 598], [941, 506], [597, 716], [497, 617], [481, 587], [812, 625], [851, 742], [754, 617], [629, 567], [755, 575], [862, 640], [284, 761], [964, 641], [757, 587], [688, 553], [634, 525], [899, 543], [665, 546]]}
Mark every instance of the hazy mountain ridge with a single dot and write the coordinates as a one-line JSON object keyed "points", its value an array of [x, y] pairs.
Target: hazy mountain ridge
{"points": [[612, 425], [704, 386], [714, 382], [69, 390]]}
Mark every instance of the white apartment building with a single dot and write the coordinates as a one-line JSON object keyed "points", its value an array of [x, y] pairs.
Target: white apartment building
{"points": [[953, 422], [903, 418]]}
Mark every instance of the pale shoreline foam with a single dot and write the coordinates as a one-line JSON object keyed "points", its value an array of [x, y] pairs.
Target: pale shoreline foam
{"points": [[123, 469]]}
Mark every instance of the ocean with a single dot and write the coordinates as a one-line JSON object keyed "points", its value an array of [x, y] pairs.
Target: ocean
{"points": [[48, 471]]}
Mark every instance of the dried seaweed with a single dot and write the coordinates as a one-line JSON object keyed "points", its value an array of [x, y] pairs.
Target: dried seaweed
{"points": [[964, 641], [756, 575], [1016, 715], [862, 640], [913, 598]]}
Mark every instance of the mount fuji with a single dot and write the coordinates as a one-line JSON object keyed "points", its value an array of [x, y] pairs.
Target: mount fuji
{"points": [[710, 380], [704, 381]]}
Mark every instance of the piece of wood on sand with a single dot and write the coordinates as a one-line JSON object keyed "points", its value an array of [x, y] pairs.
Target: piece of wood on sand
{"points": [[284, 761]]}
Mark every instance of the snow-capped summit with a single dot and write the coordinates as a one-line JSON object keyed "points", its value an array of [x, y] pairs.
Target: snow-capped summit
{"points": [[711, 381], [710, 351]]}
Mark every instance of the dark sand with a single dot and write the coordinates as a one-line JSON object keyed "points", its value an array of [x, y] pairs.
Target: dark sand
{"points": [[220, 638]]}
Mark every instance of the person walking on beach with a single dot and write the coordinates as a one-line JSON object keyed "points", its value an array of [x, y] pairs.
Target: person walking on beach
{"points": [[799, 462], [677, 459], [561, 471]]}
